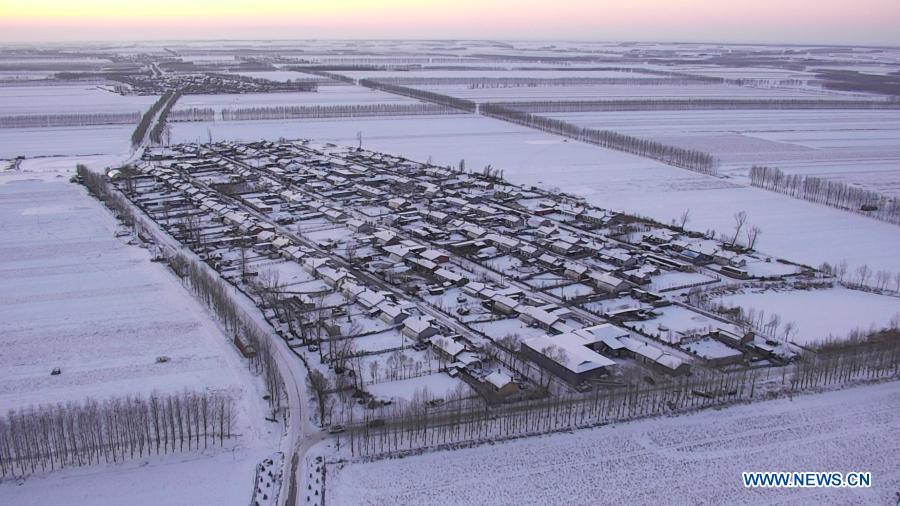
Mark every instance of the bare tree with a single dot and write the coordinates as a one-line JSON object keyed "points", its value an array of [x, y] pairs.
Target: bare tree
{"points": [[881, 278], [790, 328], [753, 234], [319, 384], [863, 272], [841, 270], [740, 219], [373, 370], [684, 218]]}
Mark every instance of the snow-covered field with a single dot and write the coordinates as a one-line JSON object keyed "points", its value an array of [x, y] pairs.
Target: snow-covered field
{"points": [[78, 298], [618, 91], [326, 95], [67, 99], [82, 98], [692, 459], [822, 313], [37, 142], [219, 478], [856, 146], [281, 75], [74, 296], [496, 74]]}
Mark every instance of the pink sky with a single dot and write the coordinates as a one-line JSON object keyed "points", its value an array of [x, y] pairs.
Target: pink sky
{"points": [[875, 22]]}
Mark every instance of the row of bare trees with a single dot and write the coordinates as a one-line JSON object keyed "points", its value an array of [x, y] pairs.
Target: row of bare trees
{"points": [[747, 318], [428, 96], [48, 437], [156, 134], [690, 159], [193, 114], [415, 426], [147, 119], [535, 82], [692, 104], [863, 276], [825, 191], [212, 291], [334, 111], [69, 120], [208, 288], [323, 72]]}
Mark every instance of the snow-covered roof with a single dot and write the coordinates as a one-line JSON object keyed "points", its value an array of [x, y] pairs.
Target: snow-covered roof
{"points": [[598, 333], [448, 346], [369, 298], [498, 379], [390, 309], [448, 275], [506, 301], [605, 278], [574, 356], [539, 314], [432, 254], [418, 324], [576, 267]]}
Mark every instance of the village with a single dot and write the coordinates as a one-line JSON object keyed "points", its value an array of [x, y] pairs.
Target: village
{"points": [[405, 283]]}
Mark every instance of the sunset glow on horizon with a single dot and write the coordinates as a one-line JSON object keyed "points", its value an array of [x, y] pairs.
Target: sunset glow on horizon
{"points": [[874, 22]]}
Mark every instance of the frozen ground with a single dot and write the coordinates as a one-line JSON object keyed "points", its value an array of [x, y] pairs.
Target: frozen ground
{"points": [[327, 95], [822, 313], [617, 91], [73, 296], [78, 98], [281, 75], [67, 99], [76, 297], [220, 478], [693, 459], [855, 146], [38, 142]]}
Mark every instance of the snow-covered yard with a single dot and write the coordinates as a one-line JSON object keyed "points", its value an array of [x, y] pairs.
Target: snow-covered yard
{"points": [[691, 459], [436, 385]]}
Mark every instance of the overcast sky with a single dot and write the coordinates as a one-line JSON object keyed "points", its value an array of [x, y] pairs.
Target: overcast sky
{"points": [[854, 22]]}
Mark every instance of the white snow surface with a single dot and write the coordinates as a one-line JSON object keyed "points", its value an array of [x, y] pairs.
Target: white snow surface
{"points": [[692, 459], [73, 296], [822, 313]]}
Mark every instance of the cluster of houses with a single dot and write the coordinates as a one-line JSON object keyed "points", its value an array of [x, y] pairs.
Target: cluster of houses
{"points": [[205, 83], [418, 227]]}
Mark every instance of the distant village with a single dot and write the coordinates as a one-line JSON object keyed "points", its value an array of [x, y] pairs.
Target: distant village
{"points": [[408, 282]]}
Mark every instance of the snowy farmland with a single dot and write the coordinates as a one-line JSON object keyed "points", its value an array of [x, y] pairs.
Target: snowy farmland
{"points": [[617, 91], [77, 141], [106, 312], [820, 314], [656, 461], [82, 98], [76, 297], [67, 98], [326, 95], [855, 146]]}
